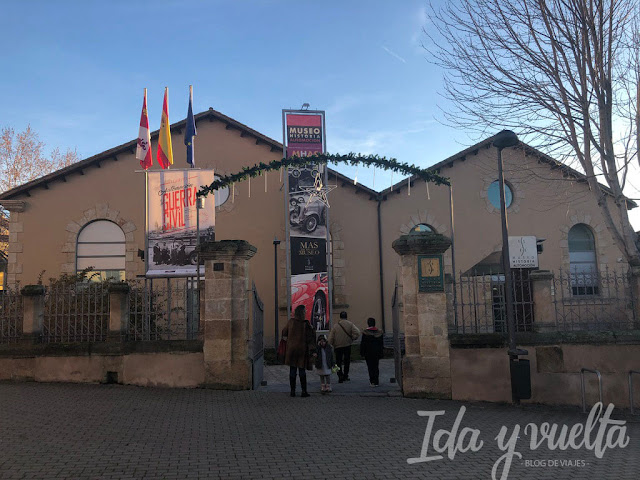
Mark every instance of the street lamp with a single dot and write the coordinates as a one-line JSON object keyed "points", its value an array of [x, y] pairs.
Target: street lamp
{"points": [[276, 242], [505, 139]]}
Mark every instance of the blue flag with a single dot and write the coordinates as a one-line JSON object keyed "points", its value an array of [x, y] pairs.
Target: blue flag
{"points": [[190, 130]]}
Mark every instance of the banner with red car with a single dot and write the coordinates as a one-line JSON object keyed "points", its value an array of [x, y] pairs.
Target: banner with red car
{"points": [[307, 217]]}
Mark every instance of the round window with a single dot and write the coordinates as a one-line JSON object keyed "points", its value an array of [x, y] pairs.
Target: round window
{"points": [[494, 194], [221, 195]]}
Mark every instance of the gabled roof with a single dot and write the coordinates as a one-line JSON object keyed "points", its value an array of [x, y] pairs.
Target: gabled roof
{"points": [[488, 143], [275, 146], [130, 148]]}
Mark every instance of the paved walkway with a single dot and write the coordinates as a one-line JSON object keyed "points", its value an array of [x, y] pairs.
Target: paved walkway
{"points": [[71, 431], [277, 378]]}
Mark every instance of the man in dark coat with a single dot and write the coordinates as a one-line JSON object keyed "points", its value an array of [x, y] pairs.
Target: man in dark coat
{"points": [[301, 347], [372, 349], [156, 254]]}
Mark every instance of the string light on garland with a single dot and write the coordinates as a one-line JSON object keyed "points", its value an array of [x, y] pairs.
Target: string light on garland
{"points": [[427, 184], [409, 191]]}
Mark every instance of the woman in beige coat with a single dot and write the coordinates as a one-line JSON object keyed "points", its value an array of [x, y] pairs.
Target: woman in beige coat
{"points": [[301, 345]]}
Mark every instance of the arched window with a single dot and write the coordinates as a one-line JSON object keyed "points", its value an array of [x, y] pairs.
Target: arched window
{"points": [[582, 259], [101, 247], [423, 227]]}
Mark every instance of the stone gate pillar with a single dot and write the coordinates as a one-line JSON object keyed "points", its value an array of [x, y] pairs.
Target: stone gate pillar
{"points": [[225, 319], [426, 368]]}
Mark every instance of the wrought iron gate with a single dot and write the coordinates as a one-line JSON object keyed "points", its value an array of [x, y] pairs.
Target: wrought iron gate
{"points": [[480, 303], [164, 309], [257, 340], [397, 341]]}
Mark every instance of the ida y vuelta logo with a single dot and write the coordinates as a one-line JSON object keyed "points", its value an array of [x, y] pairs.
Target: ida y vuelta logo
{"points": [[597, 434]]}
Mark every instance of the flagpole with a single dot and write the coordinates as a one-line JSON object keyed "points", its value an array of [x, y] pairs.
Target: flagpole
{"points": [[192, 138]]}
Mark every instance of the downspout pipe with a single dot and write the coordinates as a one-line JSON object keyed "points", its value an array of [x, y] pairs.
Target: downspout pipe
{"points": [[381, 268]]}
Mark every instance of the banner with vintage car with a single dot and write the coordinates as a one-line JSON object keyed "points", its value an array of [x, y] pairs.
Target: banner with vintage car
{"points": [[172, 221], [307, 218]]}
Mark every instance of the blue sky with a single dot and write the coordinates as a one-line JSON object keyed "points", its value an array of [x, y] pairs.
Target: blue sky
{"points": [[75, 71]]}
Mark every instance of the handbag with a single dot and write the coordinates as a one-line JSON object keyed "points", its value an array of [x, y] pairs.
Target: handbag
{"points": [[282, 348]]}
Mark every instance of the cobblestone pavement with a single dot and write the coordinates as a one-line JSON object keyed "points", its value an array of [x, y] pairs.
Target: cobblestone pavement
{"points": [[123, 432], [277, 378]]}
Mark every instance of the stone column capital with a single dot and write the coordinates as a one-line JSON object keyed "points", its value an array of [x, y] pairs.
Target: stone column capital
{"points": [[14, 205], [227, 249], [421, 243], [537, 275]]}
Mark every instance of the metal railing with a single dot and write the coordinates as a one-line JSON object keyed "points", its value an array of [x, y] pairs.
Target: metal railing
{"points": [[76, 313], [480, 305], [631, 373], [593, 301], [11, 315], [164, 309], [582, 371], [256, 354]]}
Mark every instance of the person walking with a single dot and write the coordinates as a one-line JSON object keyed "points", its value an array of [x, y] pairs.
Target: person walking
{"points": [[301, 340], [341, 336], [372, 350]]}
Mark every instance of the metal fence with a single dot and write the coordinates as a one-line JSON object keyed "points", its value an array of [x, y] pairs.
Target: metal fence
{"points": [[480, 305], [164, 309], [585, 301], [11, 315], [257, 339], [76, 313], [593, 301]]}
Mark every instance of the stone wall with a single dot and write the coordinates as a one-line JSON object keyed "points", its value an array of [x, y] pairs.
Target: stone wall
{"points": [[173, 368], [221, 360], [482, 374]]}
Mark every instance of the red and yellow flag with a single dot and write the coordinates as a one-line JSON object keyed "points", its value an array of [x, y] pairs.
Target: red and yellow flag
{"points": [[165, 150], [143, 149]]}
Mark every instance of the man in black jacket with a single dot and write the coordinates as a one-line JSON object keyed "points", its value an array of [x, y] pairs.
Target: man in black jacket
{"points": [[372, 349]]}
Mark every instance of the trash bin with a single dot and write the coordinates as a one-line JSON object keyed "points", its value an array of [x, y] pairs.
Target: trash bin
{"points": [[521, 378]]}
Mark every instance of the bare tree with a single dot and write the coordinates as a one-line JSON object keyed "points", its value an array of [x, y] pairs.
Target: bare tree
{"points": [[564, 74], [22, 159]]}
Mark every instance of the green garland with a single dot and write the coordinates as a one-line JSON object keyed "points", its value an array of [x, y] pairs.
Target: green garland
{"points": [[349, 159]]}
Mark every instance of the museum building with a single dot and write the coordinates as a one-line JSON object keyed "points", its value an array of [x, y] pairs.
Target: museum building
{"points": [[92, 214]]}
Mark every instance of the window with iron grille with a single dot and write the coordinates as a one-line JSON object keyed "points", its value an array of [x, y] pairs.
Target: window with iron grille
{"points": [[582, 259]]}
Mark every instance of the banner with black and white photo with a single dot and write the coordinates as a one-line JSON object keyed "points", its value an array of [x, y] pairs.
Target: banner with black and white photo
{"points": [[172, 233], [307, 218]]}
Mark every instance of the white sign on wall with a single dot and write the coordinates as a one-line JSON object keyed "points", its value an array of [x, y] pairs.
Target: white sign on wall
{"points": [[523, 252]]}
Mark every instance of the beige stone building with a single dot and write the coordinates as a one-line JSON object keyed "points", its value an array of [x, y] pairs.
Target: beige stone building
{"points": [[50, 214]]}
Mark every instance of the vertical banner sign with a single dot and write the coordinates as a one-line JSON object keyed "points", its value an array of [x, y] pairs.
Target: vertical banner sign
{"points": [[172, 230], [308, 232]]}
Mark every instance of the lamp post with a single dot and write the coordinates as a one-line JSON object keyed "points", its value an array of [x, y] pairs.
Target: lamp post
{"points": [[276, 242], [504, 139]]}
